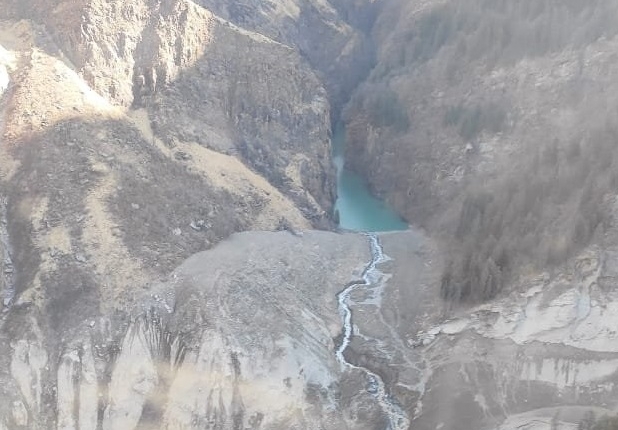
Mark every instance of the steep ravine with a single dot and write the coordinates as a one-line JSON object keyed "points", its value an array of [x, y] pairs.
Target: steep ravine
{"points": [[397, 417], [356, 208]]}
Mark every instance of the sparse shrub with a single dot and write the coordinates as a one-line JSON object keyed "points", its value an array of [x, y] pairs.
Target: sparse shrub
{"points": [[504, 31]]}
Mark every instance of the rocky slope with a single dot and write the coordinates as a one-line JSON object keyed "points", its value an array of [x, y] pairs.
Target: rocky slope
{"points": [[331, 35], [96, 204], [539, 358], [211, 347], [194, 74]]}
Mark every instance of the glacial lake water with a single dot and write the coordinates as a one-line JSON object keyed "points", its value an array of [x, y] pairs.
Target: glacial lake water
{"points": [[358, 209]]}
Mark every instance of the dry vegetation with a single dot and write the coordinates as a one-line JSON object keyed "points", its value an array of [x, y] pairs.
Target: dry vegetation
{"points": [[492, 123], [498, 32], [557, 199], [557, 203]]}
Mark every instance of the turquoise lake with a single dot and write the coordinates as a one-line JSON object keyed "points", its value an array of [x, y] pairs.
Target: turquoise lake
{"points": [[358, 209]]}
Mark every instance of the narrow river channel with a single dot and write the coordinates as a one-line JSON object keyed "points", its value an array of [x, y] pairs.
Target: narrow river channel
{"points": [[359, 210], [397, 417]]}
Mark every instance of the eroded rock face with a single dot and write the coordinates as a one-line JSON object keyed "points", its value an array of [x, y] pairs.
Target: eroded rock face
{"points": [[204, 80], [95, 206], [546, 353], [239, 336], [91, 193], [254, 98], [332, 35]]}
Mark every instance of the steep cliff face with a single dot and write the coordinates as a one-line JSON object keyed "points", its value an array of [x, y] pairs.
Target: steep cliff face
{"points": [[92, 209], [256, 99], [332, 35], [190, 69]]}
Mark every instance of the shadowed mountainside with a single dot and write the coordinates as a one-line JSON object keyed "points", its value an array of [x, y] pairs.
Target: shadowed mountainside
{"points": [[493, 123]]}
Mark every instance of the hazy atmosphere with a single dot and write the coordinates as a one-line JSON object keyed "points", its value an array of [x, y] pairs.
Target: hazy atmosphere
{"points": [[308, 214]]}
